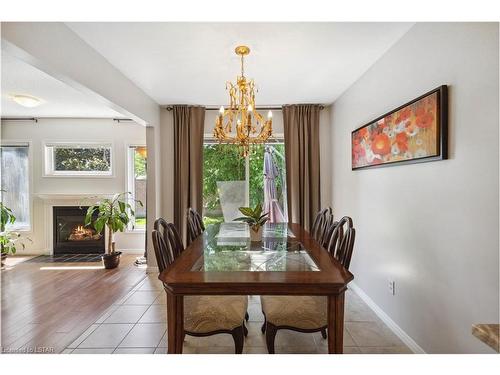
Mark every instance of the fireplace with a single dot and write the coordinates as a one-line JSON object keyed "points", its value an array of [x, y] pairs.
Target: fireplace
{"points": [[71, 236]]}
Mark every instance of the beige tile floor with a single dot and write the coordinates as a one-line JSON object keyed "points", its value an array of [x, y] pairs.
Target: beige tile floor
{"points": [[137, 324]]}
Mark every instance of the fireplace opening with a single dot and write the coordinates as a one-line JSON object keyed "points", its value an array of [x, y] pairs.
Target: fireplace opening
{"points": [[71, 236]]}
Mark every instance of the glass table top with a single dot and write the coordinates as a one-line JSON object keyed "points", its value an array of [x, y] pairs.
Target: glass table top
{"points": [[227, 247]]}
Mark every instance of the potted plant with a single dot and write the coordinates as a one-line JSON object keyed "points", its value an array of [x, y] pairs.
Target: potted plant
{"points": [[114, 213], [9, 240], [255, 219]]}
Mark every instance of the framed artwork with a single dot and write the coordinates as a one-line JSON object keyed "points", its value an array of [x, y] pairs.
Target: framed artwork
{"points": [[412, 133]]}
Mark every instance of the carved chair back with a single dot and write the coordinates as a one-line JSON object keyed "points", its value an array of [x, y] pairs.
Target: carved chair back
{"points": [[195, 225], [341, 241]]}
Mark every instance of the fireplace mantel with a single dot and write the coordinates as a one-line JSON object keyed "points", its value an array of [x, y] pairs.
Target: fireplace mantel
{"points": [[49, 200], [59, 196]]}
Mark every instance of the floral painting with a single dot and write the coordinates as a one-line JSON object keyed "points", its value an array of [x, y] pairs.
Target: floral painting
{"points": [[409, 133]]}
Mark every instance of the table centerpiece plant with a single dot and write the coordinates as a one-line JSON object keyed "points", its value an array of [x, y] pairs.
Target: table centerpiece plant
{"points": [[255, 220]]}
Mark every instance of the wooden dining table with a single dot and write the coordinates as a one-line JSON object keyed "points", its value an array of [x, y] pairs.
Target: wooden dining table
{"points": [[223, 261]]}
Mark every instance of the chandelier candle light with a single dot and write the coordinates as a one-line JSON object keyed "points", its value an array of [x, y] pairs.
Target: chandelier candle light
{"points": [[241, 115]]}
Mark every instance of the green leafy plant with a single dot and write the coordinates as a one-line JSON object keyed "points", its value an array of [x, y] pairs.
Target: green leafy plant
{"points": [[9, 240], [254, 217], [115, 213]]}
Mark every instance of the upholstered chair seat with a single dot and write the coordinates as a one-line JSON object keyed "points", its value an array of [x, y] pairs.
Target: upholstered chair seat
{"points": [[309, 313], [204, 314], [303, 312]]}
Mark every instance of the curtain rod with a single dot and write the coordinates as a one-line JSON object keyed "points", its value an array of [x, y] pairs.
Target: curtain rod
{"points": [[170, 108], [34, 119]]}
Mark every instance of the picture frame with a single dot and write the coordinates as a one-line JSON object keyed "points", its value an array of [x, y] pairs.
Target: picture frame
{"points": [[414, 132]]}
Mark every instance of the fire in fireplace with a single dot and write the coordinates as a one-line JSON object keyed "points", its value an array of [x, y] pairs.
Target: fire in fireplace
{"points": [[71, 236], [81, 233]]}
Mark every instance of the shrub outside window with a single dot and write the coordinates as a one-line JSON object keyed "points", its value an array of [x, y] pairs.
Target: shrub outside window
{"points": [[137, 181], [76, 159]]}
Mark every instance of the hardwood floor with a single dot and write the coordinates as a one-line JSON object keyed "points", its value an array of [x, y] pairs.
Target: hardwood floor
{"points": [[46, 306], [123, 311]]}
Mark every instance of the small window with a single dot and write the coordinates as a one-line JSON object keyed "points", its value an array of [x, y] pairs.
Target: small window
{"points": [[78, 159], [15, 183], [137, 180]]}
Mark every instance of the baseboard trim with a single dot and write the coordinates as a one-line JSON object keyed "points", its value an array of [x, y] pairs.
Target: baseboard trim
{"points": [[398, 331], [152, 269]]}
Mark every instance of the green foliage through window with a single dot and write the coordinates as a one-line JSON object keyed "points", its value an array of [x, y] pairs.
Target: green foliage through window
{"points": [[88, 159], [139, 165], [222, 162]]}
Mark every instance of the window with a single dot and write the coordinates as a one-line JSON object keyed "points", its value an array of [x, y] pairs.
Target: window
{"points": [[224, 181], [137, 164], [15, 183], [75, 159], [231, 181]]}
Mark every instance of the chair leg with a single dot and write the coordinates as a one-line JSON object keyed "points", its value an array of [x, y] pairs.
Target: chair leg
{"points": [[238, 337], [323, 333], [270, 336], [245, 330], [247, 316]]}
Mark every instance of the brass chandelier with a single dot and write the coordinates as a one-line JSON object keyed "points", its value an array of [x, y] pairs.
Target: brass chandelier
{"points": [[241, 115]]}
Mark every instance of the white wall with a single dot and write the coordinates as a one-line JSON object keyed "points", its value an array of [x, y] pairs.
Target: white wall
{"points": [[431, 227], [81, 130]]}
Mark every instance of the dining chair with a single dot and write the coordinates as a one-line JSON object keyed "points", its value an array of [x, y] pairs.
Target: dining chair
{"points": [[169, 233], [321, 224], [307, 313], [341, 242], [203, 315], [195, 225], [327, 229], [318, 221]]}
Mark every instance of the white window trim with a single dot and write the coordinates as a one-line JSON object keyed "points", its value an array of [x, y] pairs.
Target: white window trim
{"points": [[29, 143], [129, 180], [48, 165]]}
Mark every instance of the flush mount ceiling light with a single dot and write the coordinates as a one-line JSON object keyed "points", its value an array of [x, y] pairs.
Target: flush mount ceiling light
{"points": [[240, 123], [27, 101]]}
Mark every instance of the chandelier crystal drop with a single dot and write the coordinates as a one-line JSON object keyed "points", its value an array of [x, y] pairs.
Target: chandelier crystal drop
{"points": [[240, 123]]}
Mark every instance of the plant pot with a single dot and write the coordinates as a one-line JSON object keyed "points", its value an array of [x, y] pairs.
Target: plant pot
{"points": [[112, 260], [256, 236], [4, 257]]}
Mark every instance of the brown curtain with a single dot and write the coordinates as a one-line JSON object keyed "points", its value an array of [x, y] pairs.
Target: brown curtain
{"points": [[301, 126], [189, 123]]}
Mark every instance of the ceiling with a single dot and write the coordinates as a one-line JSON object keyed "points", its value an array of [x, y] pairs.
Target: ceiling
{"points": [[59, 99], [189, 63]]}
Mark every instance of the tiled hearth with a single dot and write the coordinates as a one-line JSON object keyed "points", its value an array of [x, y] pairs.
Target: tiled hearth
{"points": [[137, 324]]}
